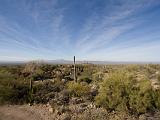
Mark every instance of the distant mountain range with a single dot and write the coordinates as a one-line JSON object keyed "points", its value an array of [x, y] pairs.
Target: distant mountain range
{"points": [[62, 61]]}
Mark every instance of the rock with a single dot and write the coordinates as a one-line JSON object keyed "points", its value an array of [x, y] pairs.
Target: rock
{"points": [[94, 92], [91, 105], [64, 80], [48, 105], [51, 110], [56, 112]]}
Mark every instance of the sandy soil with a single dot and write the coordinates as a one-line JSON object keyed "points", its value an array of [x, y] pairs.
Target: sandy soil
{"points": [[25, 112]]}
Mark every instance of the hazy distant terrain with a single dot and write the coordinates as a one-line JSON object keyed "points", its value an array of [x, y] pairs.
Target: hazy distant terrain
{"points": [[61, 61]]}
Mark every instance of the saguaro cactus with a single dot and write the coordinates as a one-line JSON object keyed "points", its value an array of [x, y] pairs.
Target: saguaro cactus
{"points": [[30, 92], [75, 69]]}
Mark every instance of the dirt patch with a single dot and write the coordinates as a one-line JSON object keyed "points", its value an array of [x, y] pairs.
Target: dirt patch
{"points": [[25, 112]]}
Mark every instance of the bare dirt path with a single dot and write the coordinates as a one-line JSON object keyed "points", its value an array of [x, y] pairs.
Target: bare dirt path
{"points": [[25, 112]]}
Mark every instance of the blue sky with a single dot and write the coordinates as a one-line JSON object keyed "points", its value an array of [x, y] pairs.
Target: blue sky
{"points": [[113, 30]]}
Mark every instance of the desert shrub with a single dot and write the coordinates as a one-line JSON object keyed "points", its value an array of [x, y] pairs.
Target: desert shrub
{"points": [[87, 71], [37, 76], [37, 71], [48, 86], [5, 93], [150, 69], [159, 77], [30, 67], [78, 89], [156, 98], [20, 94], [93, 114], [13, 91], [98, 76], [114, 92], [47, 67], [85, 79], [121, 92], [140, 98], [45, 91], [132, 68]]}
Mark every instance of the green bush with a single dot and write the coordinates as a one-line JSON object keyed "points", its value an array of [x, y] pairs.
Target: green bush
{"points": [[156, 98], [140, 98], [121, 92], [78, 89], [114, 92], [45, 91], [5, 94], [85, 79], [14, 92]]}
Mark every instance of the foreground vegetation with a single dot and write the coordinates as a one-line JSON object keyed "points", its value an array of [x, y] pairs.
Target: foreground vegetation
{"points": [[101, 91]]}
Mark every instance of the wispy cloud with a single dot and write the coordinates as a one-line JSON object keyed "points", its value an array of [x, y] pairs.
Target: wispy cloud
{"points": [[53, 29], [97, 33], [49, 17], [46, 20], [143, 52]]}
